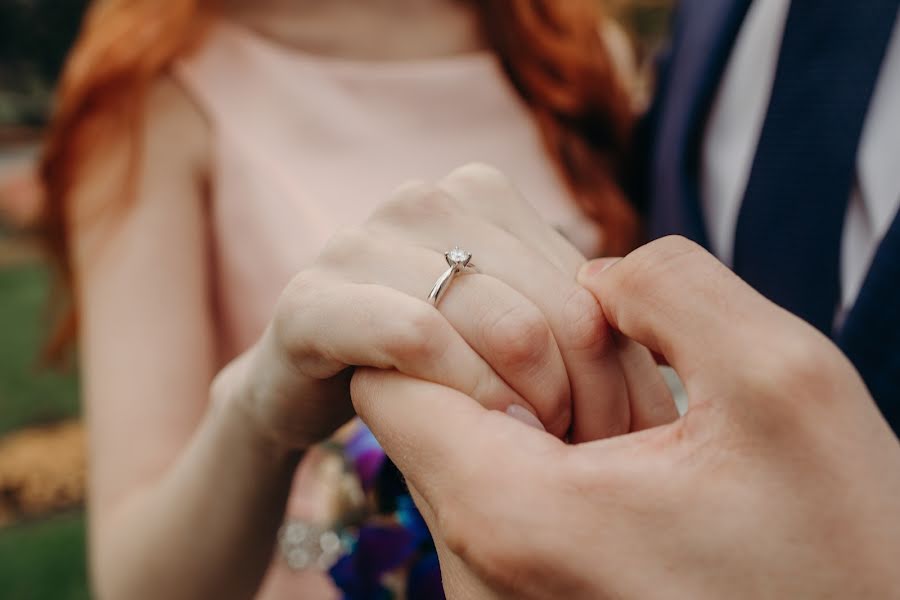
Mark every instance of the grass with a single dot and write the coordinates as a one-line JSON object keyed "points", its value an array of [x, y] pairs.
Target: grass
{"points": [[28, 394], [44, 560]]}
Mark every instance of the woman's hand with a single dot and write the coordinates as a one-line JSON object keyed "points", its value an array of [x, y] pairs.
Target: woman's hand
{"points": [[519, 332], [781, 481]]}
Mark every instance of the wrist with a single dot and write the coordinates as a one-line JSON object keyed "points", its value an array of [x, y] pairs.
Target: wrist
{"points": [[238, 396], [290, 409]]}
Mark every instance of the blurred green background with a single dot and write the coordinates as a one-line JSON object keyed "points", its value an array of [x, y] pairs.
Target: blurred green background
{"points": [[42, 531], [42, 554], [39, 557], [29, 395]]}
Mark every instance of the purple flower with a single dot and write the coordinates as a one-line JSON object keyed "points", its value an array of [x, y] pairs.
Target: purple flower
{"points": [[366, 455], [378, 551]]}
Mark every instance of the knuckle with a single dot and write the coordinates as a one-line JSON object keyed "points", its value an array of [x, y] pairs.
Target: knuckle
{"points": [[586, 327], [634, 282], [416, 340], [411, 187], [479, 176], [416, 199], [300, 302], [792, 384], [345, 246], [797, 365], [673, 246], [479, 172], [521, 340], [661, 260], [298, 294], [519, 337], [485, 388]]}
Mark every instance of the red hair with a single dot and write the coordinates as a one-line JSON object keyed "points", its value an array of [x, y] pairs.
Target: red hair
{"points": [[552, 51], [555, 54]]}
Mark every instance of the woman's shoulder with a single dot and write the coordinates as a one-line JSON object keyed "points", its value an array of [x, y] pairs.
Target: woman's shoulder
{"points": [[171, 108], [171, 144], [174, 120]]}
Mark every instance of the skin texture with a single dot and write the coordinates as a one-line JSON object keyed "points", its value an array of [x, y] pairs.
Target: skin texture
{"points": [[163, 450], [781, 480], [187, 483], [192, 460], [191, 468], [521, 332]]}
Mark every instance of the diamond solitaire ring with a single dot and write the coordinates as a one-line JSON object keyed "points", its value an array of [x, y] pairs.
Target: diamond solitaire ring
{"points": [[459, 261]]}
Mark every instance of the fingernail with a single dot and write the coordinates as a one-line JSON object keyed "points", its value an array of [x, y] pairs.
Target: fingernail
{"points": [[523, 415], [595, 267]]}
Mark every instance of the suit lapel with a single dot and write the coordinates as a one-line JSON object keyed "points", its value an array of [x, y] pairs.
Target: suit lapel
{"points": [[871, 334], [705, 32], [703, 37]]}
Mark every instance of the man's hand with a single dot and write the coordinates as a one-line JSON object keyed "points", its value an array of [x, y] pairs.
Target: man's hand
{"points": [[782, 480]]}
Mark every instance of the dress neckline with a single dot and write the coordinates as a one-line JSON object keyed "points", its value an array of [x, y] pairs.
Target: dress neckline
{"points": [[439, 66]]}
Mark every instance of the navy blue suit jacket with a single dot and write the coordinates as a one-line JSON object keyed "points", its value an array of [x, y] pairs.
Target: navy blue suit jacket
{"points": [[667, 185]]}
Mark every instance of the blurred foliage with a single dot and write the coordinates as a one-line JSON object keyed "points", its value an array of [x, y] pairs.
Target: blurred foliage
{"points": [[34, 38], [36, 34], [44, 560], [648, 21], [28, 394]]}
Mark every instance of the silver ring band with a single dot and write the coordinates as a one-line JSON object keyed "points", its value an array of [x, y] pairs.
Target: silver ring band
{"points": [[459, 261]]}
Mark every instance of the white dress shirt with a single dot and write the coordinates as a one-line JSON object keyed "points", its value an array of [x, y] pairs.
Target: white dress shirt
{"points": [[736, 122]]}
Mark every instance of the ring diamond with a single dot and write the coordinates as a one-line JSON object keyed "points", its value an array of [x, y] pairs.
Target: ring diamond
{"points": [[458, 257], [460, 261]]}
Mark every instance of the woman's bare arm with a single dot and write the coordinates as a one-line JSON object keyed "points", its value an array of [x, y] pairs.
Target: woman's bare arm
{"points": [[187, 492], [171, 474]]}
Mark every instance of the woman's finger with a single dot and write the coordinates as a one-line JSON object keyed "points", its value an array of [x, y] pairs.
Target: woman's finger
{"points": [[649, 397], [598, 387], [499, 323], [325, 326], [482, 190]]}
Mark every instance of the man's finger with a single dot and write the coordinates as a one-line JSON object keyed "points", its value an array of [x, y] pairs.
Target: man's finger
{"points": [[435, 435], [679, 301], [649, 396]]}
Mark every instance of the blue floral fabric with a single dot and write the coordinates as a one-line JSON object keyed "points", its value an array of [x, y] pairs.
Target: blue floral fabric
{"points": [[393, 540]]}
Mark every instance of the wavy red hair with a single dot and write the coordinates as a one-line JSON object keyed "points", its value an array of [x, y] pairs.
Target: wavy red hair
{"points": [[552, 51]]}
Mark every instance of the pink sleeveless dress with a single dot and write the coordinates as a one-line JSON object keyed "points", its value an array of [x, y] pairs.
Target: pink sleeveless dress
{"points": [[305, 145]]}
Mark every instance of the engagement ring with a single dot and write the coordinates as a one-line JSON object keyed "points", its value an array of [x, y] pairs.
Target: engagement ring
{"points": [[459, 261]]}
